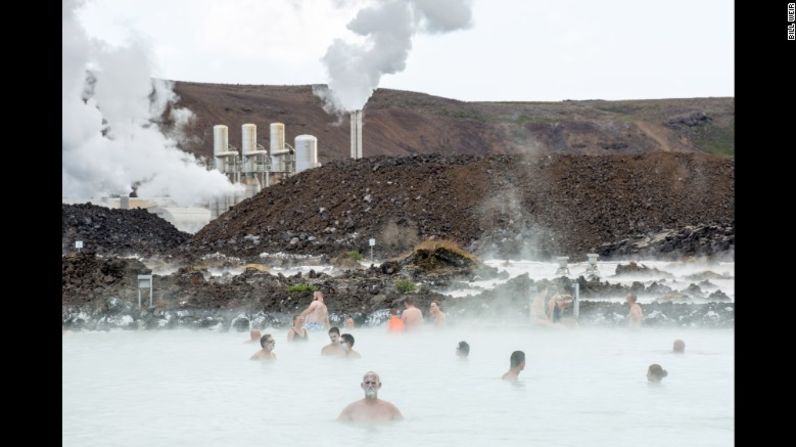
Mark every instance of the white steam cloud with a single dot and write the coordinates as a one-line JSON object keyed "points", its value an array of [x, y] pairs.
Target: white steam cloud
{"points": [[110, 139], [355, 68]]}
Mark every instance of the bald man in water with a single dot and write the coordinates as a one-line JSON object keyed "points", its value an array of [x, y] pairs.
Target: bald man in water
{"points": [[371, 408]]}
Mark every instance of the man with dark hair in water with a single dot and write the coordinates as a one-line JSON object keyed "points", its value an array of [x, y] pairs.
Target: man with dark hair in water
{"points": [[463, 350], [334, 347], [371, 408], [267, 342], [347, 343], [517, 364], [656, 373]]}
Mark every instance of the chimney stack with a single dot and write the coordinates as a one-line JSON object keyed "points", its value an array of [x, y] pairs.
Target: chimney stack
{"points": [[356, 134]]}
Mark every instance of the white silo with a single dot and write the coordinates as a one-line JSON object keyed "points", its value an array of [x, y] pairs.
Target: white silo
{"points": [[277, 147], [306, 152], [220, 139], [226, 160], [248, 138]]}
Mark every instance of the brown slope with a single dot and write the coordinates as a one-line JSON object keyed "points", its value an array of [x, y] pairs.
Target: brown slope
{"points": [[542, 205], [401, 122]]}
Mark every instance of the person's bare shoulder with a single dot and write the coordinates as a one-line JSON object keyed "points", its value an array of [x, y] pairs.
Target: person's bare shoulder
{"points": [[394, 411], [345, 415]]}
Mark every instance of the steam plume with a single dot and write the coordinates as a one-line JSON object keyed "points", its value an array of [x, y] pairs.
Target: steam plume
{"points": [[110, 139], [355, 69]]}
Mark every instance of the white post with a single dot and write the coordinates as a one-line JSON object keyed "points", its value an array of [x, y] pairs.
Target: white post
{"points": [[576, 306]]}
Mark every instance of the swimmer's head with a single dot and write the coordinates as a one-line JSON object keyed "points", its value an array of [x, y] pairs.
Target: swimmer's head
{"points": [[656, 373], [409, 301], [298, 320], [267, 342], [434, 306], [679, 346], [347, 341], [317, 296], [255, 334], [631, 298], [518, 360], [463, 350], [334, 334], [371, 383], [394, 311]]}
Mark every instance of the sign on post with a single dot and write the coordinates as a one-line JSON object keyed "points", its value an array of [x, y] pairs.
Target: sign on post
{"points": [[371, 242], [145, 282], [78, 244]]}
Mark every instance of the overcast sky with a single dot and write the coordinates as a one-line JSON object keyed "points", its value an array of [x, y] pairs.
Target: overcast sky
{"points": [[515, 50]]}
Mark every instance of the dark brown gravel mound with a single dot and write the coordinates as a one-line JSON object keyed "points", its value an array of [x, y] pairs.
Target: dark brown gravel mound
{"points": [[506, 205], [118, 232]]}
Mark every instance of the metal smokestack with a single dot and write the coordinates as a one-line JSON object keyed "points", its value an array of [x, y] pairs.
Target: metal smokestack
{"points": [[356, 134]]}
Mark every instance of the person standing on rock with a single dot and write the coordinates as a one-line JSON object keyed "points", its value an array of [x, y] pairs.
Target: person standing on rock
{"points": [[635, 315], [267, 353], [437, 315], [412, 316], [316, 316]]}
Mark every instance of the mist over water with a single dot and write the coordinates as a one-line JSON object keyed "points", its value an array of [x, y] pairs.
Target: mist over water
{"points": [[580, 387]]}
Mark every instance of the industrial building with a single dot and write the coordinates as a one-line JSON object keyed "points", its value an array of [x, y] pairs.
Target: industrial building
{"points": [[253, 166]]}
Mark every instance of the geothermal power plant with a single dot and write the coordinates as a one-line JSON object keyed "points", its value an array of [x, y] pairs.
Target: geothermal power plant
{"points": [[252, 166]]}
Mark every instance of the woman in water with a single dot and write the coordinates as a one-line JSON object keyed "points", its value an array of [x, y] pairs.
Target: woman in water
{"points": [[297, 331], [437, 315]]}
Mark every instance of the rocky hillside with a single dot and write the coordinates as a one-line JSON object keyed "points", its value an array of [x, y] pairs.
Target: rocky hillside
{"points": [[509, 205], [118, 232], [401, 122]]}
